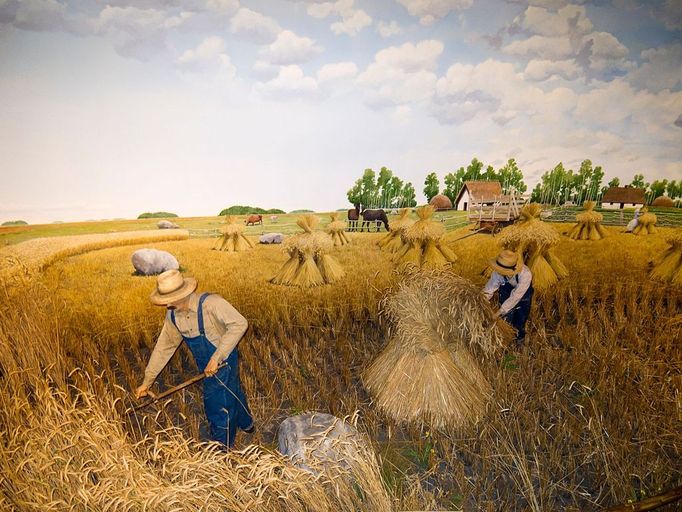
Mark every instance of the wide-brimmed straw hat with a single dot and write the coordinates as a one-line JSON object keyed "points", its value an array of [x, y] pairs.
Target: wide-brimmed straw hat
{"points": [[507, 263], [172, 287]]}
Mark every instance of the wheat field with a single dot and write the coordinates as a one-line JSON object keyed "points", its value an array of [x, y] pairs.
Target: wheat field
{"points": [[587, 415]]}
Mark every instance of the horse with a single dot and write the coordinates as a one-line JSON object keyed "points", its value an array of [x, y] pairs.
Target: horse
{"points": [[373, 216], [252, 220], [353, 217]]}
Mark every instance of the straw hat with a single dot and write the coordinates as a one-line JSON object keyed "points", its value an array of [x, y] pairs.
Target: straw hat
{"points": [[507, 263], [172, 287]]}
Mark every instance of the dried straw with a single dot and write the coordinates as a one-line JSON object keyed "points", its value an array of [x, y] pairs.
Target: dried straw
{"points": [[668, 268], [232, 239], [422, 244], [646, 224], [427, 373], [393, 241], [533, 240], [308, 264], [337, 230], [589, 224]]}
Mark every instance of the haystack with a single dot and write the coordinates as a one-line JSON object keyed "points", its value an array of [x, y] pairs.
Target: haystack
{"points": [[646, 224], [337, 230], [669, 266], [308, 263], [393, 241], [422, 243], [663, 202], [533, 240], [428, 373], [441, 202], [232, 239], [589, 224]]}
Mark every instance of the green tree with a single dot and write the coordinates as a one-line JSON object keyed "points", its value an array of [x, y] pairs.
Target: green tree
{"points": [[638, 181], [674, 189], [453, 183], [365, 191], [382, 191], [511, 178], [656, 189], [409, 196], [555, 187], [587, 182], [431, 186]]}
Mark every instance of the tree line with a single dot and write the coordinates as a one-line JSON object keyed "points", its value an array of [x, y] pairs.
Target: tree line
{"points": [[557, 186]]}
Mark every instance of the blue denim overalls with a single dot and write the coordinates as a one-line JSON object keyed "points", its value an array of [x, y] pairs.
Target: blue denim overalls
{"points": [[518, 316], [224, 401]]}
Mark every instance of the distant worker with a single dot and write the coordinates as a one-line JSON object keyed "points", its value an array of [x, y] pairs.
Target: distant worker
{"points": [[211, 327], [513, 280], [633, 223]]}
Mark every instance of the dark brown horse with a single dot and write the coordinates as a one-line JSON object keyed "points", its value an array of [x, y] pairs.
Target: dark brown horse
{"points": [[353, 217], [374, 216]]}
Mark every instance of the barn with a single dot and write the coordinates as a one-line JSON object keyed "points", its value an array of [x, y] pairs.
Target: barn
{"points": [[486, 192], [617, 198]]}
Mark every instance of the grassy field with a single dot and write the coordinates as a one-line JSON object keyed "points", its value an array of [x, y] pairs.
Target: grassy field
{"points": [[587, 415], [198, 226]]}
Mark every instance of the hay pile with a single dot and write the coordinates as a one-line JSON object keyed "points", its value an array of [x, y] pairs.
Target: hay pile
{"points": [[232, 239], [669, 266], [422, 243], [533, 240], [427, 374], [646, 224], [337, 230], [308, 263], [589, 224], [393, 241]]}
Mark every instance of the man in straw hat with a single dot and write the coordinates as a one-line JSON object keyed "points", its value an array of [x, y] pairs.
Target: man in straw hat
{"points": [[211, 327], [513, 280]]}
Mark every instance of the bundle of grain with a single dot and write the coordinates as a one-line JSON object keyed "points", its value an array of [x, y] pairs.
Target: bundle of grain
{"points": [[589, 224], [233, 239], [422, 243], [337, 230], [646, 224], [308, 264], [393, 241], [427, 374], [669, 266], [533, 239]]}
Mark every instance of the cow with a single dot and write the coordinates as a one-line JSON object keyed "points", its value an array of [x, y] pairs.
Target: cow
{"points": [[252, 220]]}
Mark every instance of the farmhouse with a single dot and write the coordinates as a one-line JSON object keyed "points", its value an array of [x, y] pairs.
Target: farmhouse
{"points": [[617, 198], [485, 192]]}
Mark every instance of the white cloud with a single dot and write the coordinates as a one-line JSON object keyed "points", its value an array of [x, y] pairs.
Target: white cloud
{"points": [[264, 70], [35, 14], [411, 57], [660, 69], [226, 7], [290, 83], [353, 20], [402, 114], [429, 10], [337, 71], [208, 55], [542, 47], [289, 48], [254, 26], [606, 52], [388, 29], [402, 74], [571, 19], [539, 70], [352, 24]]}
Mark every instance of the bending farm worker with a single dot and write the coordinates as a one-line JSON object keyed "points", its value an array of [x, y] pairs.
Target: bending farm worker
{"points": [[211, 327], [513, 280]]}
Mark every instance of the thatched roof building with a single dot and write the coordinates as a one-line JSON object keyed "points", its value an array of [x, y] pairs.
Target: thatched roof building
{"points": [[623, 197], [479, 192]]}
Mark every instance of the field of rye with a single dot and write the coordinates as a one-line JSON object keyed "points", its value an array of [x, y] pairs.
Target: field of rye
{"points": [[588, 415]]}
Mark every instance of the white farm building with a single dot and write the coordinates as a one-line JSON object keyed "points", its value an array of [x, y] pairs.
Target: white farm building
{"points": [[617, 198], [486, 192]]}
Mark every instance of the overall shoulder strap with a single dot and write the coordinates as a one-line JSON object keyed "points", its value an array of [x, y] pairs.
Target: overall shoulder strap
{"points": [[172, 316], [200, 313]]}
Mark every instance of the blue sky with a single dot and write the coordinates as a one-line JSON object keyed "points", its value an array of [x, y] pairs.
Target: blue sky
{"points": [[114, 108]]}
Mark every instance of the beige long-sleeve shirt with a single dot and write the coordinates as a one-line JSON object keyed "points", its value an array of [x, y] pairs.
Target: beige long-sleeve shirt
{"points": [[224, 326]]}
